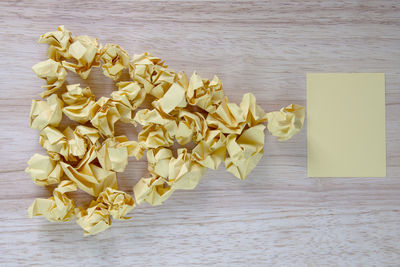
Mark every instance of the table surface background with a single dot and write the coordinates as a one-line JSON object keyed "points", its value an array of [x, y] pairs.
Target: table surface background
{"points": [[276, 216]]}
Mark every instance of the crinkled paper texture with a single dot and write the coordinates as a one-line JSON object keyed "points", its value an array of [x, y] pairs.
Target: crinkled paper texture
{"points": [[46, 113], [173, 98], [205, 94], [192, 127], [210, 151], [154, 190], [114, 152], [53, 73], [286, 122], [79, 103], [194, 112], [89, 177], [94, 219], [59, 42], [57, 208], [115, 60], [129, 94], [71, 144], [245, 151], [86, 53], [184, 173], [104, 116], [158, 161], [44, 170], [151, 73], [228, 118], [118, 203]]}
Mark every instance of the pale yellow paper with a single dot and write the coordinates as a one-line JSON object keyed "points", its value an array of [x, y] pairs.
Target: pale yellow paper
{"points": [[118, 203], [147, 117], [205, 94], [89, 177], [58, 207], [158, 161], [154, 190], [192, 127], [114, 152], [150, 73], [90, 157], [346, 125], [94, 219], [173, 98], [156, 135], [115, 61], [229, 118], [245, 151], [104, 115], [211, 151], [253, 113], [79, 103], [86, 53], [184, 173], [55, 142], [71, 144], [286, 122], [44, 170], [81, 140], [162, 80], [59, 42], [54, 74], [130, 94], [46, 113]]}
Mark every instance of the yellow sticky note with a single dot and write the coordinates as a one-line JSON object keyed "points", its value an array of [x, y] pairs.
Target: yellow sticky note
{"points": [[346, 125]]}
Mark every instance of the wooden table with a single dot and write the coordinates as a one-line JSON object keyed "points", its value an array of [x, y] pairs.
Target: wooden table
{"points": [[277, 216]]}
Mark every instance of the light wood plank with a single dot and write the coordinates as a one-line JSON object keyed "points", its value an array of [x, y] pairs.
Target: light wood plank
{"points": [[277, 216]]}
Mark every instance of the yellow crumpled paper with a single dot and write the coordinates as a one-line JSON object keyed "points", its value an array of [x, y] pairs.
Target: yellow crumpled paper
{"points": [[158, 128], [184, 173], [59, 42], [79, 103], [228, 118], [148, 117], [154, 190], [114, 152], [210, 151], [205, 94], [57, 208], [129, 94], [158, 161], [156, 135], [71, 144], [44, 170], [252, 112], [152, 74], [162, 80], [96, 218], [286, 122], [193, 112], [244, 151], [173, 98], [115, 60], [88, 176], [192, 127], [54, 74], [46, 113], [104, 115], [85, 51], [118, 203]]}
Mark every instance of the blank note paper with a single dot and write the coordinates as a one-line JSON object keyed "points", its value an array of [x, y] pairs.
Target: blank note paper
{"points": [[346, 125]]}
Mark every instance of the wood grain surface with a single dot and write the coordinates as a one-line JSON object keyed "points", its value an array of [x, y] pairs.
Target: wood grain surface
{"points": [[277, 216]]}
